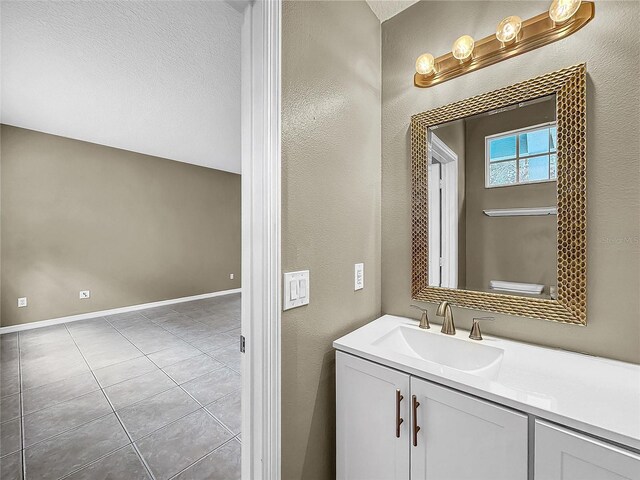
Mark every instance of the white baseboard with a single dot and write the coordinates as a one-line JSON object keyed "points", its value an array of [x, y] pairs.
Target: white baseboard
{"points": [[113, 311]]}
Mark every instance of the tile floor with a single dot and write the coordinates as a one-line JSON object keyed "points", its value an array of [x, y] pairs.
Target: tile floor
{"points": [[152, 394]]}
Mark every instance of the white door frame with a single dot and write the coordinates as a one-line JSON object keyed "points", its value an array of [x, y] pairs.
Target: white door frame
{"points": [[447, 188], [261, 306]]}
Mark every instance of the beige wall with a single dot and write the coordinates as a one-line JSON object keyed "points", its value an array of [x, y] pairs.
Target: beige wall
{"points": [[129, 227], [330, 209], [516, 249], [609, 46]]}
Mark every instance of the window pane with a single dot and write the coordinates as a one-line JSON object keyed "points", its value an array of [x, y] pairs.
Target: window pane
{"points": [[502, 148], [534, 169], [553, 168], [554, 138], [534, 142], [503, 173]]}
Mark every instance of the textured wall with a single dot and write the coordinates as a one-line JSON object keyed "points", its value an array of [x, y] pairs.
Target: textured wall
{"points": [[129, 227], [330, 210], [609, 47], [154, 77]]}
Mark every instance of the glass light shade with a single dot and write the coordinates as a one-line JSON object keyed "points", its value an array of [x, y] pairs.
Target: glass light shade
{"points": [[463, 47], [562, 10], [425, 64], [508, 29]]}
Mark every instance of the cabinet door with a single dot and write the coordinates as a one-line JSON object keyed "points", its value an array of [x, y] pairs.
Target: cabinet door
{"points": [[463, 438], [561, 454], [368, 444]]}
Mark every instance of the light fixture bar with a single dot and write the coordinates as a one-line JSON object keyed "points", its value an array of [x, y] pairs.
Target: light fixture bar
{"points": [[535, 32]]}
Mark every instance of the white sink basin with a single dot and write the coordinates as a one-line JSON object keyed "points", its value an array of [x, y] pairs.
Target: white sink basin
{"points": [[475, 358]]}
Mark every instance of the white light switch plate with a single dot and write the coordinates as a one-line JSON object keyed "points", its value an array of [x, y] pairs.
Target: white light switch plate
{"points": [[359, 276], [296, 289], [22, 302], [84, 294]]}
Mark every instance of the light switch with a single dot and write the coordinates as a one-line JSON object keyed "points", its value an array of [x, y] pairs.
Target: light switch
{"points": [[359, 276], [296, 289]]}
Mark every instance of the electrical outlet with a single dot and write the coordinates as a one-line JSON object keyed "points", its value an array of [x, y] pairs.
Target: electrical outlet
{"points": [[22, 302], [231, 275], [358, 276], [85, 294]]}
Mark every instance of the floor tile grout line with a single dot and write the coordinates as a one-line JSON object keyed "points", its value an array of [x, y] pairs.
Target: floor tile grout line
{"points": [[144, 463], [75, 427], [176, 420], [193, 319], [201, 405], [93, 462], [135, 447], [219, 420], [202, 458], [122, 335]]}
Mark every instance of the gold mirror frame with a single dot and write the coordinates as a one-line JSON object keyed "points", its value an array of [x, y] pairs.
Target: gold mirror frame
{"points": [[569, 87]]}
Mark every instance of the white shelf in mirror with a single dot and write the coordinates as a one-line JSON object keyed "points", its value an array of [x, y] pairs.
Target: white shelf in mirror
{"points": [[521, 212]]}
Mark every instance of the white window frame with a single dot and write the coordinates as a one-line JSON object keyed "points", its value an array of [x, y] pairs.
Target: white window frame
{"points": [[517, 132]]}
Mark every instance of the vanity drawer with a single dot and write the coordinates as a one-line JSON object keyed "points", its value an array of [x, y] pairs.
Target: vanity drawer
{"points": [[562, 454]]}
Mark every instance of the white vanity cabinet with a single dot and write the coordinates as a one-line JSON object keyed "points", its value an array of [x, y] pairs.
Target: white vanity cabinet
{"points": [[490, 410], [372, 421], [459, 437], [562, 454], [464, 438]]}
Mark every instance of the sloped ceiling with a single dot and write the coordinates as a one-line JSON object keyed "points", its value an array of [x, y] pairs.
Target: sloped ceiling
{"points": [[155, 77], [385, 9]]}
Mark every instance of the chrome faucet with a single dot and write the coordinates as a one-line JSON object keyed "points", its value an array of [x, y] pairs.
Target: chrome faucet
{"points": [[424, 319], [444, 310]]}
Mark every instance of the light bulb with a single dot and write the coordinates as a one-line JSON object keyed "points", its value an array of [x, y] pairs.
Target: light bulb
{"points": [[463, 47], [508, 29], [425, 64], [562, 10]]}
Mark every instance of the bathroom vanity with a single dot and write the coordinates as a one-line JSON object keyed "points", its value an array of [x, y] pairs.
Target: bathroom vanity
{"points": [[414, 403]]}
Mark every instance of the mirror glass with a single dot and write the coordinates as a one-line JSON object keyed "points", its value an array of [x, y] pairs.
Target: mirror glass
{"points": [[492, 201]]}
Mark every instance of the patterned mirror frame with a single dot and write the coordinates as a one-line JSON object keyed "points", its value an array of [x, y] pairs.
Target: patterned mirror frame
{"points": [[569, 86]]}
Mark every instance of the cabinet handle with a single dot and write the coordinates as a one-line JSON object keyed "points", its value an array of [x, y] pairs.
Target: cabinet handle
{"points": [[399, 420], [416, 428]]}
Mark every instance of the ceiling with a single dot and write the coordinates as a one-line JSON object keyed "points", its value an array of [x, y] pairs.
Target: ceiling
{"points": [[155, 77], [385, 9]]}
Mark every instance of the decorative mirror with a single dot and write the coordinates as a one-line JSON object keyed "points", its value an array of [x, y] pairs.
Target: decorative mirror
{"points": [[499, 200]]}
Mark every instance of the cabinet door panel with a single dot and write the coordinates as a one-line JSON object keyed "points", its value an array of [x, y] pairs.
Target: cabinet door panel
{"points": [[367, 447], [464, 438], [561, 454]]}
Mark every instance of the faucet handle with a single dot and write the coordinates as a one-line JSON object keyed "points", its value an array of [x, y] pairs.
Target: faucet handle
{"points": [[476, 334], [424, 319]]}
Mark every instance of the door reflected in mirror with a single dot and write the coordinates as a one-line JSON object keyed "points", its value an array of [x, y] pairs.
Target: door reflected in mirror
{"points": [[492, 201]]}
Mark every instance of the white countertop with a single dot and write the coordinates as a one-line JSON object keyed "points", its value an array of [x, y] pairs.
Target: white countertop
{"points": [[596, 395]]}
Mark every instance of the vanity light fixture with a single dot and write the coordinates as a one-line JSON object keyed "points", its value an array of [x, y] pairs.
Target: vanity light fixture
{"points": [[425, 64], [562, 10], [508, 29], [512, 37], [463, 48]]}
